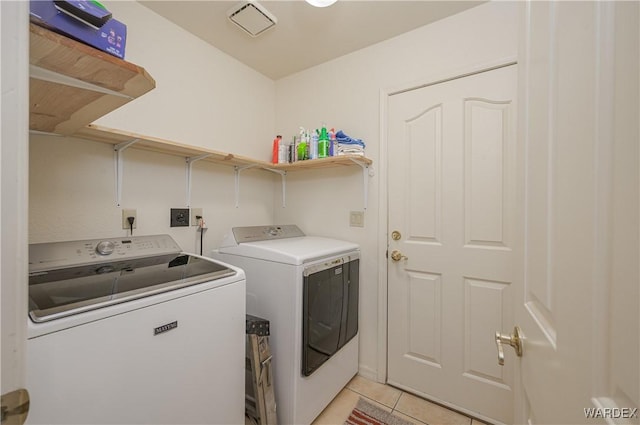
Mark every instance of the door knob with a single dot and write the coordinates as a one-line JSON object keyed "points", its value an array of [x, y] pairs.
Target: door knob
{"points": [[14, 407], [514, 340], [397, 255]]}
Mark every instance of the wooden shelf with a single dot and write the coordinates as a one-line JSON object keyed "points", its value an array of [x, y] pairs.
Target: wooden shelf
{"points": [[73, 84], [154, 144], [332, 161], [122, 140], [107, 135]]}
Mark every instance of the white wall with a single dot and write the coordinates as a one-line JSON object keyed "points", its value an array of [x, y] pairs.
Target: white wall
{"points": [[203, 97], [345, 93]]}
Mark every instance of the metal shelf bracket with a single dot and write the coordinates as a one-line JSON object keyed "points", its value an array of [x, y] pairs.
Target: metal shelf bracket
{"points": [[190, 160], [119, 150], [283, 175], [365, 179], [53, 77], [237, 171]]}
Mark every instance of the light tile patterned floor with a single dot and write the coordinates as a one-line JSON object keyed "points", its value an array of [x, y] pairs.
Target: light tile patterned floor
{"points": [[400, 403]]}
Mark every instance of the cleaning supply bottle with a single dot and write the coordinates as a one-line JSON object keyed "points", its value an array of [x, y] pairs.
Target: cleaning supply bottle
{"points": [[275, 155], [313, 148], [302, 145], [282, 152], [323, 143], [333, 143]]}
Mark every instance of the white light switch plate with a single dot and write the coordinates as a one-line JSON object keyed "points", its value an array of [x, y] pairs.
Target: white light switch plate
{"points": [[356, 218]]}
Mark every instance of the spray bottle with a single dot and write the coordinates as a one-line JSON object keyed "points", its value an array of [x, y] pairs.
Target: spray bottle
{"points": [[313, 148], [333, 143], [302, 145], [323, 143]]}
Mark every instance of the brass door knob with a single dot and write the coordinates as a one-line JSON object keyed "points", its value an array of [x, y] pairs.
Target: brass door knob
{"points": [[397, 255], [514, 340]]}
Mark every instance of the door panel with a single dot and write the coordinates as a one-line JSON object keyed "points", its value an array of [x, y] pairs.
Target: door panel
{"points": [[579, 66], [451, 196], [485, 147]]}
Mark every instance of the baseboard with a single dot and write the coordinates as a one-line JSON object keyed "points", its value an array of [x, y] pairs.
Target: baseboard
{"points": [[367, 372]]}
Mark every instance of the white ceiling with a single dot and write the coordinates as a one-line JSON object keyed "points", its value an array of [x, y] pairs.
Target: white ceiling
{"points": [[304, 36]]}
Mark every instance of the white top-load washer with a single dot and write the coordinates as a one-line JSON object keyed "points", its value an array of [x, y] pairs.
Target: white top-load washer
{"points": [[307, 287], [132, 331]]}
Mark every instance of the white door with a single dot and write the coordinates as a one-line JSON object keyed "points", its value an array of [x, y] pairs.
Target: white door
{"points": [[452, 193], [579, 126]]}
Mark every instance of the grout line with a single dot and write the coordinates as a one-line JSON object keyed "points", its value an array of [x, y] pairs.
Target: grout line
{"points": [[372, 399], [398, 400]]}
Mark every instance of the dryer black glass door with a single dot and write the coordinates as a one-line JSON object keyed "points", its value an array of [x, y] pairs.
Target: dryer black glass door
{"points": [[330, 313]]}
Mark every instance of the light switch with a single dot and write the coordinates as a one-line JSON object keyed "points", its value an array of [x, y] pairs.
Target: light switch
{"points": [[356, 219]]}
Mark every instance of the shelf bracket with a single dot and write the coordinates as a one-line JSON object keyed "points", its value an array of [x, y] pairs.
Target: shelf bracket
{"points": [[237, 171], [190, 160], [53, 77], [283, 175], [119, 150], [365, 179]]}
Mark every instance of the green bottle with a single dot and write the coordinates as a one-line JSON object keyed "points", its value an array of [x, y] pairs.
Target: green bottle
{"points": [[323, 143], [302, 145]]}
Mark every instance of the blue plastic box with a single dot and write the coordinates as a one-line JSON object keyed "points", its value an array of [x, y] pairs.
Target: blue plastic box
{"points": [[110, 37]]}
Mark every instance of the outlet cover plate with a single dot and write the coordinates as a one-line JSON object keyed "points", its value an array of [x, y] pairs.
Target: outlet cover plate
{"points": [[129, 213], [179, 217], [195, 212]]}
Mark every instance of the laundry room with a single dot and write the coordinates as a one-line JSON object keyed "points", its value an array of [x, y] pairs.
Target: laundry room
{"points": [[200, 139], [205, 98]]}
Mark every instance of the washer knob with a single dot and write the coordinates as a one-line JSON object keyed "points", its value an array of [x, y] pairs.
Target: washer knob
{"points": [[105, 269], [105, 247]]}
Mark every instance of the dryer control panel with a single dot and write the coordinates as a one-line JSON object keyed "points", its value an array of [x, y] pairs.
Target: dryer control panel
{"points": [[266, 233]]}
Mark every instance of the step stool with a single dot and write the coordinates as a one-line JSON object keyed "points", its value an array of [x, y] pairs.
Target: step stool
{"points": [[260, 401]]}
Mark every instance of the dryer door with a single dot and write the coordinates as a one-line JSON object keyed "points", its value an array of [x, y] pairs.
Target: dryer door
{"points": [[330, 310]]}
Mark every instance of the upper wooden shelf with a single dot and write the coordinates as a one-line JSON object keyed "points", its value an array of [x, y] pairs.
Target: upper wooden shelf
{"points": [[115, 137], [72, 84]]}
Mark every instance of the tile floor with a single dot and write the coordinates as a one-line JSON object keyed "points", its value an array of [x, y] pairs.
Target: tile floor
{"points": [[402, 404]]}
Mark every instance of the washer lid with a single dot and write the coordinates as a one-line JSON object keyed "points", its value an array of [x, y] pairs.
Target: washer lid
{"points": [[294, 251], [64, 292], [72, 277]]}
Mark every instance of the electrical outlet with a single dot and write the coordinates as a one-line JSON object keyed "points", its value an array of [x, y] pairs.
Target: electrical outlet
{"points": [[179, 217], [356, 218], [126, 214], [195, 213]]}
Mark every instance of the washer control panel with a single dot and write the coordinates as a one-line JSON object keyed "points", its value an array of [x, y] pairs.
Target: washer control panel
{"points": [[55, 255], [265, 233]]}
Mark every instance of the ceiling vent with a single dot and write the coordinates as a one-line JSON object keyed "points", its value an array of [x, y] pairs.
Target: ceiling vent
{"points": [[252, 17]]}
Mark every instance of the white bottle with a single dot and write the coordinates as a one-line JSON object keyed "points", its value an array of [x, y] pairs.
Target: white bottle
{"points": [[313, 148], [283, 151]]}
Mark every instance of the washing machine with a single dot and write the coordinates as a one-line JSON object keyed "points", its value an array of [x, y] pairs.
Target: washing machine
{"points": [[307, 287], [132, 331]]}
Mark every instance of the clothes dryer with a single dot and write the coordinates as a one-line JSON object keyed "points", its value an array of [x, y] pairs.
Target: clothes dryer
{"points": [[307, 287]]}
